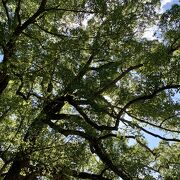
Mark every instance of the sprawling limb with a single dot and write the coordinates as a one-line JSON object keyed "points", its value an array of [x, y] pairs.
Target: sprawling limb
{"points": [[96, 145], [143, 98], [148, 97], [149, 132]]}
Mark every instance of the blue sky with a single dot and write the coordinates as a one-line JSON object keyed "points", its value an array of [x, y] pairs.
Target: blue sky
{"points": [[166, 4], [1, 57]]}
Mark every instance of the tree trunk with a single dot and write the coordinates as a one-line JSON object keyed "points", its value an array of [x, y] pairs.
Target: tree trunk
{"points": [[15, 169], [3, 82]]}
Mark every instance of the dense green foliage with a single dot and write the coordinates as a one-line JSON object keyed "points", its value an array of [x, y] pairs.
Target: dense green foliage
{"points": [[80, 90]]}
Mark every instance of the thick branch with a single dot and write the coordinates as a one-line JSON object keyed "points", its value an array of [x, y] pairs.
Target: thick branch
{"points": [[147, 97], [4, 78], [149, 132], [17, 11], [31, 20], [96, 146], [15, 169], [86, 118], [104, 158], [146, 147], [69, 10], [151, 124], [4, 2], [85, 175], [109, 85], [176, 115], [63, 116]]}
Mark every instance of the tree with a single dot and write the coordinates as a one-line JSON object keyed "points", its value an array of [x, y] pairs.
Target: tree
{"points": [[80, 89]]}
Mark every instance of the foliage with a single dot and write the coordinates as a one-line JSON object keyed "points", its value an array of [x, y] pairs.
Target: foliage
{"points": [[80, 90]]}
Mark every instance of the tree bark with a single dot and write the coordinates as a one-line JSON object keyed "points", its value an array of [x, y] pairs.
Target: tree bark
{"points": [[3, 81], [15, 169]]}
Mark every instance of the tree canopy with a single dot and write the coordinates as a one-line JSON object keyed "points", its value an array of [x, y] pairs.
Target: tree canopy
{"points": [[82, 92]]}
